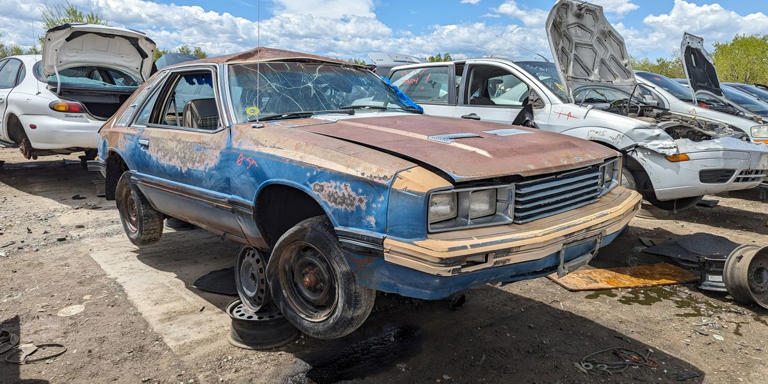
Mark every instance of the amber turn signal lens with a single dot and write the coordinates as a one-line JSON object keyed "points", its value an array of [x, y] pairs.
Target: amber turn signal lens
{"points": [[762, 141], [678, 157], [66, 106]]}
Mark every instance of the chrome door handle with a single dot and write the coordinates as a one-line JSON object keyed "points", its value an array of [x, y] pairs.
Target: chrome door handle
{"points": [[144, 143]]}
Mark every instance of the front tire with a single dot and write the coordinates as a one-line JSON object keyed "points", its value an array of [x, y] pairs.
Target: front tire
{"points": [[142, 224], [638, 180], [313, 285]]}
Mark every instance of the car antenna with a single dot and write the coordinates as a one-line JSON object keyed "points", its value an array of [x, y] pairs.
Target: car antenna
{"points": [[258, 63]]}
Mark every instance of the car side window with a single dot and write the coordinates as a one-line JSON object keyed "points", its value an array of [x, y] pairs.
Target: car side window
{"points": [[146, 111], [491, 85], [429, 85], [8, 74], [191, 102]]}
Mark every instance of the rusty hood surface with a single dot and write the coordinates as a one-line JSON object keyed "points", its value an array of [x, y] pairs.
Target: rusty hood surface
{"points": [[466, 150]]}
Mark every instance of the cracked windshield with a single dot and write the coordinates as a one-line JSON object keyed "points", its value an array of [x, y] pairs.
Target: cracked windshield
{"points": [[286, 90]]}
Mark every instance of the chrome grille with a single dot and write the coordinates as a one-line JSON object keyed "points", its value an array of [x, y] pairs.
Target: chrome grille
{"points": [[547, 196], [751, 175]]}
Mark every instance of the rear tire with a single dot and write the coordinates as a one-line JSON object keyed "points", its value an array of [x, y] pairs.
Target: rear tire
{"points": [[142, 224], [312, 283]]}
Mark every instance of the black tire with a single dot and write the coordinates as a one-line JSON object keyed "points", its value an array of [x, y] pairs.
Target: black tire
{"points": [[142, 224], [312, 283], [634, 177]]}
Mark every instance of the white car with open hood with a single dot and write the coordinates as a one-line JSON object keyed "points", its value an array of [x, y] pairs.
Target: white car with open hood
{"points": [[704, 96], [671, 158], [56, 103]]}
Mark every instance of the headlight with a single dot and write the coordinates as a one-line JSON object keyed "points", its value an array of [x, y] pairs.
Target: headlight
{"points": [[482, 203], [474, 206], [442, 207], [759, 131], [610, 172]]}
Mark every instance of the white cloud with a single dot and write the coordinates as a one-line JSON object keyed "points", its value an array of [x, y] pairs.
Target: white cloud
{"points": [[530, 17], [662, 33], [473, 2], [618, 7]]}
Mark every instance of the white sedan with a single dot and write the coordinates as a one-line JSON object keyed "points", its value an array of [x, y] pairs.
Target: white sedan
{"points": [[56, 102]]}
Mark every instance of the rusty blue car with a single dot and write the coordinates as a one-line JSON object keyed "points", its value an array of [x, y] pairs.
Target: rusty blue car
{"points": [[338, 188]]}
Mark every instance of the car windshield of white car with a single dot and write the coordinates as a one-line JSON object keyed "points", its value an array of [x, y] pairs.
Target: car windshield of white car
{"points": [[88, 77], [295, 89], [547, 75], [676, 89]]}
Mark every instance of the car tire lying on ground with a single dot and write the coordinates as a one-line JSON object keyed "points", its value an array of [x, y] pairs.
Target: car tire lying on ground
{"points": [[312, 282], [143, 224]]}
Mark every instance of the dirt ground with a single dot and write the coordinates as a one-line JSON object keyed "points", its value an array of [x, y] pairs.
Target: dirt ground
{"points": [[139, 320]]}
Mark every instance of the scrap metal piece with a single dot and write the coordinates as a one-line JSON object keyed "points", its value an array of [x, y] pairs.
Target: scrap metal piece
{"points": [[263, 329], [745, 274]]}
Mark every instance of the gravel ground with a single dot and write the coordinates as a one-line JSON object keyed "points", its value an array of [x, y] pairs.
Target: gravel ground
{"points": [[527, 332]]}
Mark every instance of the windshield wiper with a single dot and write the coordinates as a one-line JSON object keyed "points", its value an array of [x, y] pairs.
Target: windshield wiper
{"points": [[381, 107], [300, 114]]}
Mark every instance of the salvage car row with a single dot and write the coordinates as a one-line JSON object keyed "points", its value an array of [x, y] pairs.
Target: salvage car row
{"points": [[338, 185]]}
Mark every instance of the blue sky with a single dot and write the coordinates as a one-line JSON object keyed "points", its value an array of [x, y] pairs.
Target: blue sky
{"points": [[353, 28]]}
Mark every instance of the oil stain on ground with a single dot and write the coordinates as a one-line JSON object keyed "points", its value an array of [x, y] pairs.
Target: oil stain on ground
{"points": [[648, 296], [365, 357]]}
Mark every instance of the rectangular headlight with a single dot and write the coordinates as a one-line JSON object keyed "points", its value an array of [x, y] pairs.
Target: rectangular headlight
{"points": [[442, 206], [482, 203], [759, 132]]}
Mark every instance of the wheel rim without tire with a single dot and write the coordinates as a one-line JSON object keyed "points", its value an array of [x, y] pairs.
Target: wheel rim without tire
{"points": [[251, 278], [308, 282]]}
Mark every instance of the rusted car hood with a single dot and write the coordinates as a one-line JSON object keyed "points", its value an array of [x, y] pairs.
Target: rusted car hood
{"points": [[464, 149]]}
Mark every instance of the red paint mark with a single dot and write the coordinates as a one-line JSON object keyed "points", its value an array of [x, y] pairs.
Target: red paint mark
{"points": [[245, 159], [568, 115]]}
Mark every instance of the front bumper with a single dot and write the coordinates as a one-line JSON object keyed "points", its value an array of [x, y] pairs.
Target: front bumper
{"points": [[682, 179], [437, 266], [61, 132]]}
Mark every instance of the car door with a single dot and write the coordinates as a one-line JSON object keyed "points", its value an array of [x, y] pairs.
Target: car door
{"points": [[491, 92], [179, 145], [434, 88], [9, 78]]}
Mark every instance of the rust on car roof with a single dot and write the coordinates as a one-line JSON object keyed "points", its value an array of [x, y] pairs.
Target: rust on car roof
{"points": [[266, 54]]}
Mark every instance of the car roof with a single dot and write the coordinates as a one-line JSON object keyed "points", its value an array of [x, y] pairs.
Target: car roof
{"points": [[266, 54]]}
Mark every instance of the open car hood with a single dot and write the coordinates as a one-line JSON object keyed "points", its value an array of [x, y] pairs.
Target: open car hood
{"points": [[79, 45], [586, 48], [464, 150], [699, 66]]}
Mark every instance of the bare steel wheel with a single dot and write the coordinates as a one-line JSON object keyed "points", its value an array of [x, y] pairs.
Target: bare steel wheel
{"points": [[309, 281], [142, 224], [312, 283], [251, 278]]}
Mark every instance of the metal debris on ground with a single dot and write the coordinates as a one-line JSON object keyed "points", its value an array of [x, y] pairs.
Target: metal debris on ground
{"points": [[615, 360], [703, 253], [79, 197], [8, 340], [23, 354], [708, 203]]}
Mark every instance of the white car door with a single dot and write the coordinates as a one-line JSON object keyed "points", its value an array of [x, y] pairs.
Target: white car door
{"points": [[9, 78], [491, 92], [434, 87]]}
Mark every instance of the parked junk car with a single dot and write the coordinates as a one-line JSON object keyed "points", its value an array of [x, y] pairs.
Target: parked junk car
{"points": [[384, 62], [55, 103], [672, 158], [734, 102], [676, 96], [343, 190]]}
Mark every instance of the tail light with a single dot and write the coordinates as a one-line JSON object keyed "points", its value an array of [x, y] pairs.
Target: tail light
{"points": [[67, 106]]}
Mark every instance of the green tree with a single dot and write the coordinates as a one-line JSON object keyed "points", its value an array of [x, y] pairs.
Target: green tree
{"points": [[744, 59], [194, 51], [159, 53], [439, 57], [672, 67], [357, 61], [9, 50], [67, 13]]}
